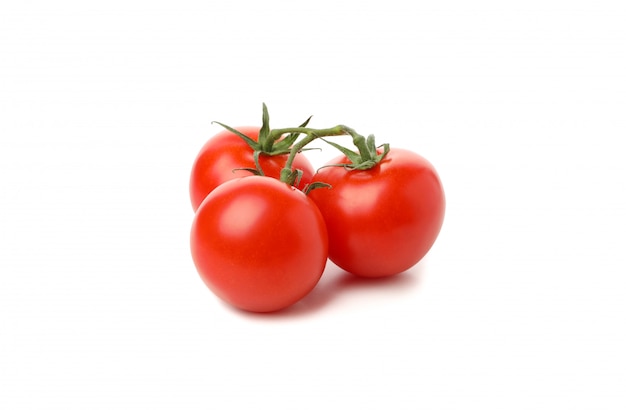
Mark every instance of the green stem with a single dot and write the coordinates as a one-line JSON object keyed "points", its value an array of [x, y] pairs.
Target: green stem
{"points": [[325, 132], [360, 142], [311, 134]]}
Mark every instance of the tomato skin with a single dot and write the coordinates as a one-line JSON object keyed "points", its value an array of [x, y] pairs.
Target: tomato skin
{"points": [[225, 152], [259, 244], [381, 221]]}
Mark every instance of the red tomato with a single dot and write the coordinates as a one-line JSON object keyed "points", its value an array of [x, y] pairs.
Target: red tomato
{"points": [[259, 244], [383, 220], [226, 152]]}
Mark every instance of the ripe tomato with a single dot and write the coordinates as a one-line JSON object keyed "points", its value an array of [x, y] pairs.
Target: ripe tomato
{"points": [[259, 244], [383, 220], [226, 152]]}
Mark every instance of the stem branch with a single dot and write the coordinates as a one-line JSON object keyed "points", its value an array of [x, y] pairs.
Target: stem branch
{"points": [[311, 135]]}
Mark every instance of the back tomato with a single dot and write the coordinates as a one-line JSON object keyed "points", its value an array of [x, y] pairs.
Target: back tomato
{"points": [[222, 155], [259, 244], [383, 220]]}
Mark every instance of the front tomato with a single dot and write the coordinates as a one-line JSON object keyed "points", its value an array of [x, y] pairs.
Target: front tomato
{"points": [[383, 220], [224, 155], [259, 244]]}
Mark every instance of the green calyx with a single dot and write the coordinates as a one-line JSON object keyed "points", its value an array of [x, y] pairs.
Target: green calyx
{"points": [[269, 141], [367, 156]]}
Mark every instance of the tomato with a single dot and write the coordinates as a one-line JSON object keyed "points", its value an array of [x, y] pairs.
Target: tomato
{"points": [[259, 244], [383, 220], [222, 157]]}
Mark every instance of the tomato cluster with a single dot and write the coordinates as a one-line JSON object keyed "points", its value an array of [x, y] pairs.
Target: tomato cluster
{"points": [[266, 222]]}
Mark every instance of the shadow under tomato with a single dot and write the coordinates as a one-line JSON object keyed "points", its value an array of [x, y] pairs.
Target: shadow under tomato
{"points": [[337, 283]]}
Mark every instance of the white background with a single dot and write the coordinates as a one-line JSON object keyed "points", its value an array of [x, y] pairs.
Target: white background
{"points": [[521, 106]]}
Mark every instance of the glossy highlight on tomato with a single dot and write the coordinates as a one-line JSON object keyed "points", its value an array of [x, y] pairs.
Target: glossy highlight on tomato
{"points": [[224, 157], [259, 244], [383, 220]]}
